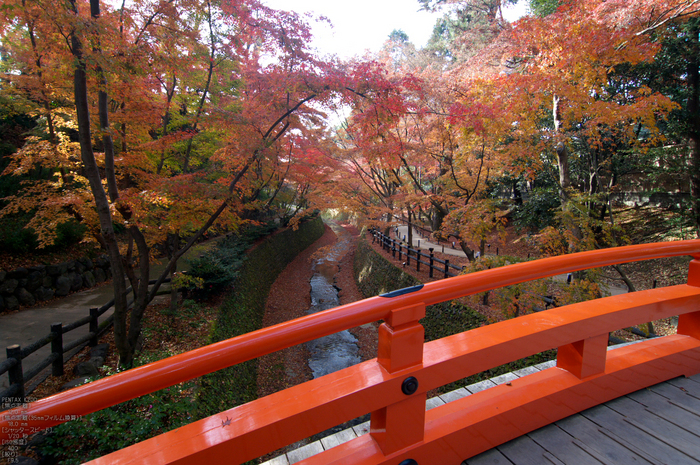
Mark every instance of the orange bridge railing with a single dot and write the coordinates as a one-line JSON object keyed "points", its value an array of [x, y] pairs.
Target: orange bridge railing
{"points": [[393, 387]]}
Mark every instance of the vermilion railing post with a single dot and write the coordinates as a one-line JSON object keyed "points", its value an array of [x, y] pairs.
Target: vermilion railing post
{"points": [[584, 358], [689, 324], [400, 347]]}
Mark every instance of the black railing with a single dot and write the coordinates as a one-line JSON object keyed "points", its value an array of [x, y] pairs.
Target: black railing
{"points": [[405, 251], [425, 233]]}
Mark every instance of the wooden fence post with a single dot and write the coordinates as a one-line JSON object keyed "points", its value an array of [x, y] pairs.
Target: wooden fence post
{"points": [[94, 326], [431, 261], [15, 373], [447, 268], [57, 349]]}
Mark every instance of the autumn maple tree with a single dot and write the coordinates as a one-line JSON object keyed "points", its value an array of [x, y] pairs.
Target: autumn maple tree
{"points": [[526, 99], [416, 150], [203, 115], [171, 118]]}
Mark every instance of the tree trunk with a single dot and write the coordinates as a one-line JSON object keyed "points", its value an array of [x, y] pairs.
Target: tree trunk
{"points": [[103, 112], [170, 93], [467, 250], [141, 297], [564, 175], [562, 153], [437, 218], [210, 72], [517, 195], [173, 248], [693, 104], [40, 74], [410, 229], [101, 201]]}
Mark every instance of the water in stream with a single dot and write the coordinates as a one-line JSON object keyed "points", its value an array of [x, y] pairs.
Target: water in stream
{"points": [[339, 350]]}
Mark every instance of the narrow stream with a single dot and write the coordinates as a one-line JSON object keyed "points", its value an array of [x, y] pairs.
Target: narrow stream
{"points": [[340, 350]]}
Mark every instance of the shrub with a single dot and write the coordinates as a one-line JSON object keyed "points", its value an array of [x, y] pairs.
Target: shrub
{"points": [[243, 310], [69, 233], [122, 425], [375, 275], [538, 211], [14, 237], [217, 268]]}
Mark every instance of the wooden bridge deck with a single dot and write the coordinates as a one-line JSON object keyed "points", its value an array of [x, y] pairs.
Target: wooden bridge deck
{"points": [[657, 425]]}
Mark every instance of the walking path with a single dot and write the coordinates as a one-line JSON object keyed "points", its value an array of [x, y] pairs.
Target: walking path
{"points": [[30, 324], [420, 242], [26, 326]]}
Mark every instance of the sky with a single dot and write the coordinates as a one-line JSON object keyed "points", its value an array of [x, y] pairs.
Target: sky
{"points": [[363, 25]]}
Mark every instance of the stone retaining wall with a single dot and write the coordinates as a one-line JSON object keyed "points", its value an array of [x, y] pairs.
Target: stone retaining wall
{"points": [[27, 286]]}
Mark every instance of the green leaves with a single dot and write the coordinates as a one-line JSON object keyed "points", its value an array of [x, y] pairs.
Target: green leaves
{"points": [[122, 425]]}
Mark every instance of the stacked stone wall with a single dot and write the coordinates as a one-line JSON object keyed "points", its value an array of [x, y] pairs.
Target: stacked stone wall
{"points": [[27, 286]]}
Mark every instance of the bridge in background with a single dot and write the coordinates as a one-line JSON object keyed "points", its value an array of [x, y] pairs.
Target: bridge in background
{"points": [[393, 387]]}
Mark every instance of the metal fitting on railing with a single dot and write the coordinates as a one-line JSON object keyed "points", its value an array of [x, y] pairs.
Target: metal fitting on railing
{"points": [[409, 385]]}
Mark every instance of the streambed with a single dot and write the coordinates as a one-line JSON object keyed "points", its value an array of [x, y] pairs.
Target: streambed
{"points": [[340, 350]]}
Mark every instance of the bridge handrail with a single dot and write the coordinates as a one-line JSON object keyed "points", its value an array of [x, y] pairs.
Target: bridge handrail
{"points": [[139, 381]]}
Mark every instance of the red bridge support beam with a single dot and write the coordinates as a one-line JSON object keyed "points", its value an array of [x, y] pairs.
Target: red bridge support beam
{"points": [[400, 348], [689, 323], [584, 358]]}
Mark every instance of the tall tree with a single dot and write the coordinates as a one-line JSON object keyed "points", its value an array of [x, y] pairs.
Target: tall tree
{"points": [[252, 113], [592, 99], [676, 73]]}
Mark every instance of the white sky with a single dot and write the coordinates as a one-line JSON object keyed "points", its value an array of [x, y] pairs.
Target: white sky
{"points": [[363, 25]]}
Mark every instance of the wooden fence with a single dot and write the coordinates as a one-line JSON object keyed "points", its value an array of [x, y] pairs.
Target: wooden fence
{"points": [[399, 251], [19, 378]]}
